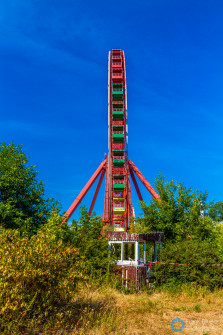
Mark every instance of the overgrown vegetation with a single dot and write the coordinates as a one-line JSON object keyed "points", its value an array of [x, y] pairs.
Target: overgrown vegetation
{"points": [[90, 238], [179, 214], [191, 236], [36, 274], [194, 253], [43, 273], [59, 278]]}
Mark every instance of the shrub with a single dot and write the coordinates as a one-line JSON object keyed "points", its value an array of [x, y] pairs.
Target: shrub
{"points": [[89, 237], [36, 273], [193, 253]]}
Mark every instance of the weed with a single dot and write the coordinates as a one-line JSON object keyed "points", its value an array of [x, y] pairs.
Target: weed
{"points": [[197, 308]]}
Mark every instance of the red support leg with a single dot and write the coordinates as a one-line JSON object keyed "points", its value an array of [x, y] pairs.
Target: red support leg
{"points": [[79, 198], [106, 218], [130, 207], [130, 197], [96, 191], [136, 185], [151, 190]]}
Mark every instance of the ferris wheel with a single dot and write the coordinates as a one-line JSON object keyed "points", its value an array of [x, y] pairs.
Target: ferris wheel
{"points": [[118, 205], [118, 208]]}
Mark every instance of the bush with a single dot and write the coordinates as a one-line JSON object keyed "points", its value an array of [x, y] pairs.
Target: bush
{"points": [[36, 273], [193, 253], [89, 237]]}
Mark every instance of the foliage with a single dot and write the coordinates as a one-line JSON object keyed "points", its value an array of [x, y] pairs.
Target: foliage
{"points": [[192, 252], [22, 203], [216, 211], [178, 214], [219, 239], [89, 237], [36, 273]]}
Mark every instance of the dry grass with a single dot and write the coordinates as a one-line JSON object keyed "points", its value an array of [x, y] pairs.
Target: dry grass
{"points": [[107, 311], [143, 314]]}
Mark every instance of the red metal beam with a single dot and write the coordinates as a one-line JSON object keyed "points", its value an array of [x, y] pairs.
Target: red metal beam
{"points": [[96, 191], [130, 207], [136, 185], [147, 185], [106, 201], [86, 188], [130, 198]]}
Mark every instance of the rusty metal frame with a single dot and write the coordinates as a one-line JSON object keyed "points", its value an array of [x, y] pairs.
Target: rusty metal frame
{"points": [[96, 191], [136, 185], [86, 188], [147, 185]]}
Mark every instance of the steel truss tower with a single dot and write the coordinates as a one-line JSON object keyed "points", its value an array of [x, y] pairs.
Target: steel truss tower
{"points": [[118, 208]]}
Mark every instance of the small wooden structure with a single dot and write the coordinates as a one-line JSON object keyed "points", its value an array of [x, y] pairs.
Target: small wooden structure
{"points": [[132, 257]]}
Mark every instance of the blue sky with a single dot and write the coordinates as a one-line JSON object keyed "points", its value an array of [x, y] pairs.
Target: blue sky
{"points": [[53, 88]]}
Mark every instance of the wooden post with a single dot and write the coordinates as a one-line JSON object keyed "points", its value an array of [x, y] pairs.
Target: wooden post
{"points": [[136, 251], [144, 252]]}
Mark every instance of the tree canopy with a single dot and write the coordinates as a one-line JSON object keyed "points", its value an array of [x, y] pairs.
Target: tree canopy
{"points": [[22, 202], [216, 211], [179, 214]]}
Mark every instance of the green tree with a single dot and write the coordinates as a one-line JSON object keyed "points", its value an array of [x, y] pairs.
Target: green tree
{"points": [[219, 239], [88, 236], [179, 214], [216, 211], [22, 202]]}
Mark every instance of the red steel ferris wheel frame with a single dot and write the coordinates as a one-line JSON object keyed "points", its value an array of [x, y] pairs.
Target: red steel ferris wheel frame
{"points": [[118, 208]]}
